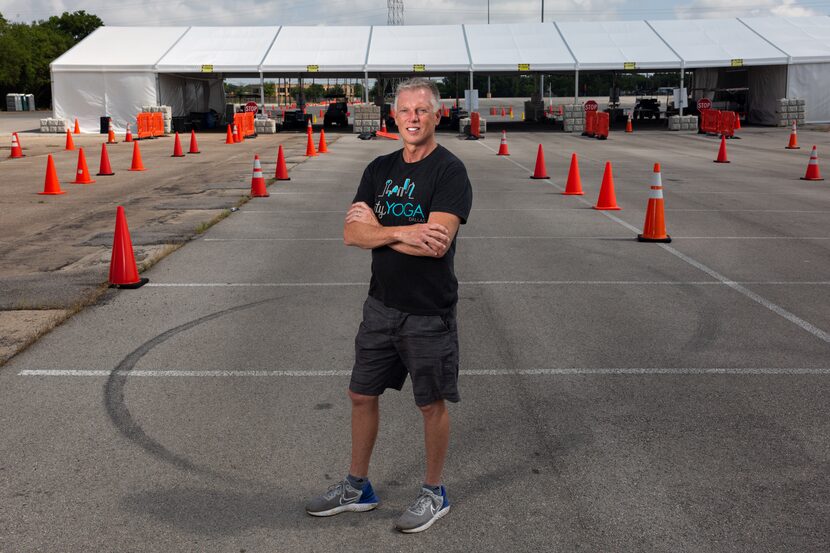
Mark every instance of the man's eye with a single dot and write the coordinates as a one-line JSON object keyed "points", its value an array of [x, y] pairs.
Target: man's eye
{"points": [[422, 111]]}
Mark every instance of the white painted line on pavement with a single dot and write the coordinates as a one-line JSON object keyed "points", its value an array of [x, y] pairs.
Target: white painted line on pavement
{"points": [[492, 283], [177, 373], [775, 308]]}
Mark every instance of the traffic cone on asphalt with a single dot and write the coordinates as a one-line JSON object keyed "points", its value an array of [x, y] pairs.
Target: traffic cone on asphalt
{"points": [[737, 122], [237, 134], [502, 111], [309, 149], [722, 151], [105, 169], [503, 145], [77, 127], [323, 148], [309, 130], [137, 163], [282, 170], [194, 147], [177, 147], [258, 189], [82, 172], [383, 125], [607, 198], [628, 126], [654, 229], [812, 167], [574, 185], [793, 144], [129, 136], [123, 270], [511, 112], [51, 186], [111, 134], [229, 139], [541, 171], [17, 149], [70, 144]]}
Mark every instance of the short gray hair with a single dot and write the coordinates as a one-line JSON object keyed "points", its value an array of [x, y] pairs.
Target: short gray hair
{"points": [[416, 83]]}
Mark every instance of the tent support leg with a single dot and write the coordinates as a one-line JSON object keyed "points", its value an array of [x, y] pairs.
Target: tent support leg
{"points": [[262, 90], [682, 78], [576, 87]]}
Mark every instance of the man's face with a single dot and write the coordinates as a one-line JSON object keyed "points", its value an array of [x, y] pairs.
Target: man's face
{"points": [[415, 116]]}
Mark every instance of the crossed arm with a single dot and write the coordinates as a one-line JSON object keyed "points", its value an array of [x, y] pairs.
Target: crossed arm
{"points": [[430, 239]]}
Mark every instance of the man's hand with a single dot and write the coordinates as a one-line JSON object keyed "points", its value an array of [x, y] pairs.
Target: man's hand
{"points": [[360, 212], [431, 238]]}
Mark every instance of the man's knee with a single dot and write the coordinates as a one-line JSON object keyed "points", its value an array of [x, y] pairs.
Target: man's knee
{"points": [[436, 408], [360, 400]]}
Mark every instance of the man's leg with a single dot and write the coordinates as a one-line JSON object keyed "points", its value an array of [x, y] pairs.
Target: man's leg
{"points": [[365, 421], [436, 439]]}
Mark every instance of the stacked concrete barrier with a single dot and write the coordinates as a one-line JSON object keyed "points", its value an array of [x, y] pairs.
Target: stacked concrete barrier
{"points": [[573, 118], [366, 118], [166, 111], [683, 123], [791, 110], [52, 125], [466, 122], [265, 126]]}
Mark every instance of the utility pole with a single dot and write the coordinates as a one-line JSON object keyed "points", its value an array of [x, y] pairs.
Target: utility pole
{"points": [[488, 76]]}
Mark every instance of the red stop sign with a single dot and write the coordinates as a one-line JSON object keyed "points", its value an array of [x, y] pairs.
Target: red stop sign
{"points": [[591, 105], [251, 106], [704, 103]]}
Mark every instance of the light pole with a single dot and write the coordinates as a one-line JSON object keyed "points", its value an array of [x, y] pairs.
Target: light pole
{"points": [[542, 77], [488, 76]]}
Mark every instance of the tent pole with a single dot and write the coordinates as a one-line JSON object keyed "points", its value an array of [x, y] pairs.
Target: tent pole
{"points": [[366, 87], [262, 89], [682, 78], [576, 87]]}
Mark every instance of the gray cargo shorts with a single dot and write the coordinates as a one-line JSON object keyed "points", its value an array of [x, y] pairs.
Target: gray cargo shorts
{"points": [[391, 344]]}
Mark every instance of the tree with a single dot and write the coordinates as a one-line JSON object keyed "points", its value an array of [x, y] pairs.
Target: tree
{"points": [[78, 25]]}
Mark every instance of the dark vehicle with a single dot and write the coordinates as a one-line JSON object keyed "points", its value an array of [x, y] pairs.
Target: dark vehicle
{"points": [[647, 108], [454, 120], [337, 114], [296, 119]]}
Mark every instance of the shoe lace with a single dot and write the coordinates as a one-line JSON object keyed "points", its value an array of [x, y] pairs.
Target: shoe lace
{"points": [[425, 500], [334, 490]]}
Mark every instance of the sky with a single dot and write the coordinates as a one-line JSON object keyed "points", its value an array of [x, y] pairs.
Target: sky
{"points": [[416, 12]]}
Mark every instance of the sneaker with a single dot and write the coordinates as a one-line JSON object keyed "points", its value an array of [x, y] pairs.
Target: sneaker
{"points": [[428, 508], [343, 497]]}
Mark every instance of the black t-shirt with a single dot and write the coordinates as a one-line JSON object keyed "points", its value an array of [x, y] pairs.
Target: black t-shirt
{"points": [[403, 194]]}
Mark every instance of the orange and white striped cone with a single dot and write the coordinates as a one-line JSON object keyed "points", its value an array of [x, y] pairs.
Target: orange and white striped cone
{"points": [[503, 145], [812, 167], [17, 150], [129, 136], [793, 144], [654, 229], [258, 189], [111, 134], [628, 126]]}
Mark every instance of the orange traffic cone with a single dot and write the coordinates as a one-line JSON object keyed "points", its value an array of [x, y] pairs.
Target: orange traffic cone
{"points": [[237, 134], [511, 112], [82, 173], [628, 126], [194, 147], [258, 189], [309, 129], [654, 229], [722, 151], [51, 186], [105, 169], [541, 171], [323, 148], [812, 167], [793, 144], [177, 147], [737, 121], [607, 198], [282, 170], [309, 149], [70, 144], [111, 134], [383, 125], [17, 149], [574, 185], [129, 136], [123, 270], [502, 111], [503, 145], [137, 163], [229, 139], [77, 127]]}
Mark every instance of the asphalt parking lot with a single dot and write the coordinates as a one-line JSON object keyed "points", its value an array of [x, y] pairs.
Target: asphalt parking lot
{"points": [[616, 396]]}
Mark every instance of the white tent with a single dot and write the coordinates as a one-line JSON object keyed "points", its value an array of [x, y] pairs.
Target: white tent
{"points": [[522, 47], [806, 41], [116, 70], [110, 72]]}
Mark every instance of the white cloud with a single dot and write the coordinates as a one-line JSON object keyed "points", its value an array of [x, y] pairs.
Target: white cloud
{"points": [[703, 9]]}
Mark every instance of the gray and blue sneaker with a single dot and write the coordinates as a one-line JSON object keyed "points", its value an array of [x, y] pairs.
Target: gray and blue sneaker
{"points": [[343, 497], [426, 509]]}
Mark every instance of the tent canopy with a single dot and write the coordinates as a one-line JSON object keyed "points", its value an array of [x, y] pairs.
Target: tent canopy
{"points": [[226, 49], [618, 45], [804, 39], [115, 49], [297, 48], [717, 42], [504, 47], [418, 48]]}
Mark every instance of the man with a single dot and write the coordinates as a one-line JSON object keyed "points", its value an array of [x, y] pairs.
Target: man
{"points": [[407, 210]]}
